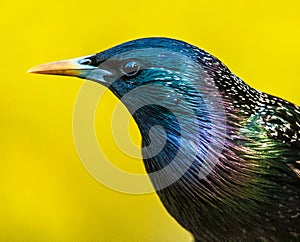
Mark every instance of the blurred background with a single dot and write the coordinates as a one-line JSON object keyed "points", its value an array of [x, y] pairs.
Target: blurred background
{"points": [[46, 194]]}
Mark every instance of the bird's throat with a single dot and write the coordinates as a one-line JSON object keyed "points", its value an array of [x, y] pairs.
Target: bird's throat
{"points": [[161, 136]]}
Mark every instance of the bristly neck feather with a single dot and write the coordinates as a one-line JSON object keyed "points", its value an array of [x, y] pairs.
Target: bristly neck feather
{"points": [[231, 188], [241, 176]]}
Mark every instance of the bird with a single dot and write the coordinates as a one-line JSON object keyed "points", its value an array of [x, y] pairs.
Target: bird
{"points": [[223, 157]]}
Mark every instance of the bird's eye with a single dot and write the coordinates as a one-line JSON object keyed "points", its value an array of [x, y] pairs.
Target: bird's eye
{"points": [[130, 68]]}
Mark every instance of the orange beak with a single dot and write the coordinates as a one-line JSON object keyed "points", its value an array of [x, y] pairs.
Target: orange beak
{"points": [[72, 67], [78, 67]]}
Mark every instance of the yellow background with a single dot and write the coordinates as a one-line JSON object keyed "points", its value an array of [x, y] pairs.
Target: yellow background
{"points": [[45, 192]]}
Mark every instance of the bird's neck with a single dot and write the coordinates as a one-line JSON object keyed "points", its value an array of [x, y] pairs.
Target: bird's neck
{"points": [[174, 141], [161, 136]]}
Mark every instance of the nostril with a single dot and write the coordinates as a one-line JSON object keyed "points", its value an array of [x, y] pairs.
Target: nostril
{"points": [[85, 62]]}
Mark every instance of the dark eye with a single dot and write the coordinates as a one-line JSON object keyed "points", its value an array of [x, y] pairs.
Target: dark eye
{"points": [[130, 68]]}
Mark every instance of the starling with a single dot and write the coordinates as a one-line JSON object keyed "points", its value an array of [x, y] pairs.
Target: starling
{"points": [[223, 157]]}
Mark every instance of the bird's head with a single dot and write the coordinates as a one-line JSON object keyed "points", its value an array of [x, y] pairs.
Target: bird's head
{"points": [[163, 82], [159, 62]]}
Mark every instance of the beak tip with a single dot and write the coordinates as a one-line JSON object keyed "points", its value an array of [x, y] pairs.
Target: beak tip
{"points": [[40, 69], [31, 70]]}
